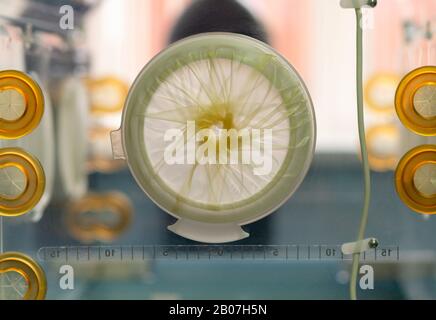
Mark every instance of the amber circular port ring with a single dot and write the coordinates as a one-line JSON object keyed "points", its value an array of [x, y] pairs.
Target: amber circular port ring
{"points": [[405, 179], [115, 86], [98, 162], [35, 182], [33, 99], [405, 105], [29, 270], [115, 202], [378, 82], [381, 162]]}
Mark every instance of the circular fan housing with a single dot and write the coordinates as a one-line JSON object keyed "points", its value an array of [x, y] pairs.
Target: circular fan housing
{"points": [[177, 127]]}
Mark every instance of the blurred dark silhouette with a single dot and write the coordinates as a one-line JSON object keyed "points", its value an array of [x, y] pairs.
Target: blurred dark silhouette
{"points": [[217, 16]]}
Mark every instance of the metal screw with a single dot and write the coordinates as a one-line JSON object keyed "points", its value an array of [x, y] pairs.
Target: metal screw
{"points": [[372, 3], [373, 243]]}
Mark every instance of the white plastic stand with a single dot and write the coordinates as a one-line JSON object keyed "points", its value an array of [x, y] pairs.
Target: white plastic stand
{"points": [[356, 4], [208, 232], [359, 246]]}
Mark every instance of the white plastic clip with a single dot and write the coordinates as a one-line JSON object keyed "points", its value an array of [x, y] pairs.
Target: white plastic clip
{"points": [[358, 4], [117, 145], [359, 246]]}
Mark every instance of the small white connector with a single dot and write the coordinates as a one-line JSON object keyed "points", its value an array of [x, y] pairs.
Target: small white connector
{"points": [[359, 246], [358, 4]]}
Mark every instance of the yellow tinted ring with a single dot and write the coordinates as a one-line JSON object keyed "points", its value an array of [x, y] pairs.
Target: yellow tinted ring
{"points": [[417, 82], [21, 104], [29, 270], [107, 95], [31, 169], [100, 162], [380, 92], [85, 229], [377, 160], [405, 179]]}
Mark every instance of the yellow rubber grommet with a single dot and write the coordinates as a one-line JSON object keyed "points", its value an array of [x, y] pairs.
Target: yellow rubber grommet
{"points": [[382, 161], [97, 227], [380, 92], [29, 270], [34, 187], [21, 104], [405, 179], [107, 95], [99, 161], [405, 103]]}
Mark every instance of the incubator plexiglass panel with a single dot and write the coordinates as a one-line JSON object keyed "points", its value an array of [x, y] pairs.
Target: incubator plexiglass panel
{"points": [[100, 197]]}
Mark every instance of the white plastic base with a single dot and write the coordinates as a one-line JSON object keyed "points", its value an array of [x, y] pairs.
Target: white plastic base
{"points": [[208, 232], [356, 4]]}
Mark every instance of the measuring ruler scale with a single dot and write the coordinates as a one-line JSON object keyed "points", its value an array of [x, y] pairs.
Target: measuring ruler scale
{"points": [[79, 254]]}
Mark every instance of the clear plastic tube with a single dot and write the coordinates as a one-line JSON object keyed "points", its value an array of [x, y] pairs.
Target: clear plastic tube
{"points": [[1, 235], [364, 152]]}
